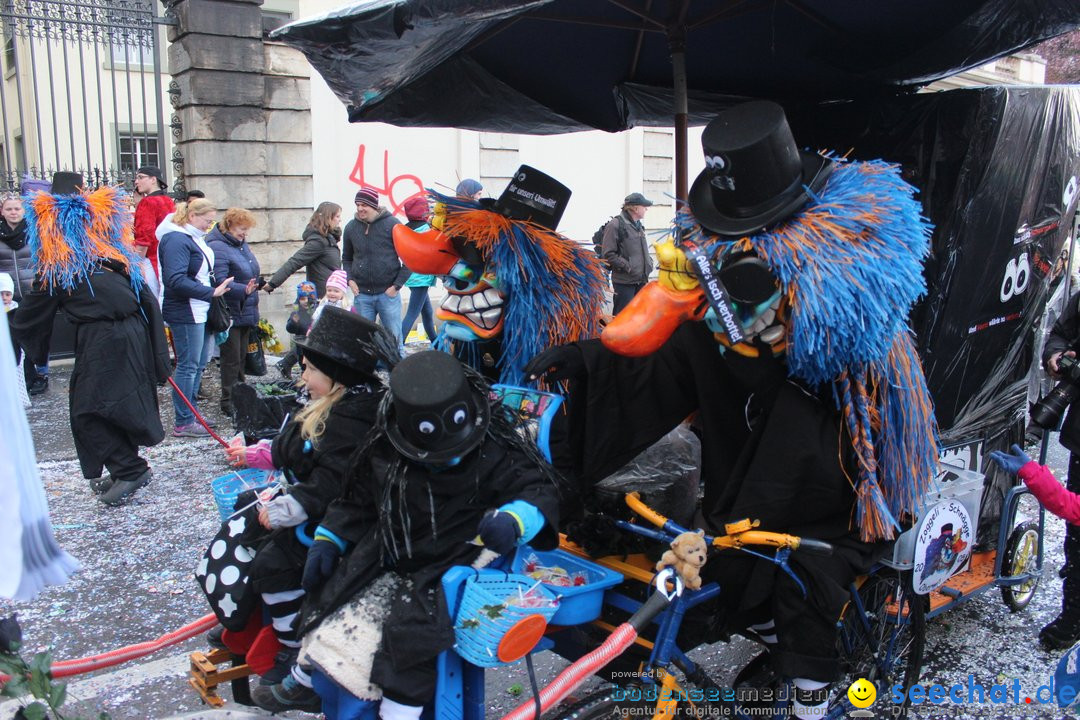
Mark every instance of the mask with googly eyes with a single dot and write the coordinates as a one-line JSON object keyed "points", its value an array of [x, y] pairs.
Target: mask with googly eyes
{"points": [[436, 414]]}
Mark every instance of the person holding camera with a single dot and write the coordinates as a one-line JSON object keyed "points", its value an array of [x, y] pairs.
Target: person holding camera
{"points": [[1058, 354], [233, 258]]}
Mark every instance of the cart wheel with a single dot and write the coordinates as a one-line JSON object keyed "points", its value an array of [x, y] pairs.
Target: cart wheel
{"points": [[884, 644], [604, 704], [1021, 555]]}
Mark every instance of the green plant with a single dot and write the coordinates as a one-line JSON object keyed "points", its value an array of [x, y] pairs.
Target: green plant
{"points": [[35, 678]]}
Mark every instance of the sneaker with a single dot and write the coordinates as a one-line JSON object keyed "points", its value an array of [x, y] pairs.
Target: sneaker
{"points": [[285, 368], [283, 665], [101, 484], [287, 695], [191, 430], [122, 490], [38, 386]]}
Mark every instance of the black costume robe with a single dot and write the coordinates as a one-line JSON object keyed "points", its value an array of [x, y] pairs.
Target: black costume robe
{"points": [[771, 450], [443, 509], [121, 356]]}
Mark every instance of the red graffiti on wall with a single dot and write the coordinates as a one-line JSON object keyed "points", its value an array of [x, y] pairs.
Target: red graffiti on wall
{"points": [[413, 185]]}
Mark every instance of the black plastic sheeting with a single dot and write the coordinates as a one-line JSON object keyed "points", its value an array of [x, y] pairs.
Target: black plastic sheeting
{"points": [[551, 66], [998, 171]]}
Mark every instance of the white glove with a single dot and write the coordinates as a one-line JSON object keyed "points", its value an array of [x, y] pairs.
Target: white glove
{"points": [[285, 511]]}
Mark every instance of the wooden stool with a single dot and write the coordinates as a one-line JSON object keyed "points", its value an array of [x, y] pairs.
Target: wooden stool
{"points": [[206, 675]]}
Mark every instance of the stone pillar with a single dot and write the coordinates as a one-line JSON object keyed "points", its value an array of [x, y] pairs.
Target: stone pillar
{"points": [[243, 119]]}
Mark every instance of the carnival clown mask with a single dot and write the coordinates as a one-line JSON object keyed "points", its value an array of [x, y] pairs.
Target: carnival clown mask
{"points": [[750, 318], [510, 277]]}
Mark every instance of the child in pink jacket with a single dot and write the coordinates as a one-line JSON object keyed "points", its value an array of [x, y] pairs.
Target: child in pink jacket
{"points": [[1041, 482]]}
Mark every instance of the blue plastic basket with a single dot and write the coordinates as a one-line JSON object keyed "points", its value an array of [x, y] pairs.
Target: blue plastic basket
{"points": [[577, 604], [227, 487], [478, 634]]}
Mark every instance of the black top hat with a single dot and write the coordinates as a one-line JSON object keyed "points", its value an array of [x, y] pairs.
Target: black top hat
{"points": [[754, 173], [66, 183], [436, 415], [946, 528], [532, 195], [338, 346]]}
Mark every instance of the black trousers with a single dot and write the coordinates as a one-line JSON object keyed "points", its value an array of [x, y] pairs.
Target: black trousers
{"points": [[102, 443], [623, 295], [233, 353]]}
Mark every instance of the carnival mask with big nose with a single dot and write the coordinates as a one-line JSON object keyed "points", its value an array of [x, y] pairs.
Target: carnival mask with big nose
{"points": [[755, 299], [473, 306]]}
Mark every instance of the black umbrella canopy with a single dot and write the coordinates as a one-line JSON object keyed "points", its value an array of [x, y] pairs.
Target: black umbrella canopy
{"points": [[551, 66]]}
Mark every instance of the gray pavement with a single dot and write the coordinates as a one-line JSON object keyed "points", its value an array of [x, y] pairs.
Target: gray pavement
{"points": [[136, 584]]}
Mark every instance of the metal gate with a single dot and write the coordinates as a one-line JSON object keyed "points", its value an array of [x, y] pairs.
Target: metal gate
{"points": [[81, 90]]}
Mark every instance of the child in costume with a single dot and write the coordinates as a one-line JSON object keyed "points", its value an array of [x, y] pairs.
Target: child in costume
{"points": [[7, 297], [810, 399], [86, 267], [298, 324], [7, 292], [514, 285], [440, 468], [337, 288], [1042, 483], [339, 357]]}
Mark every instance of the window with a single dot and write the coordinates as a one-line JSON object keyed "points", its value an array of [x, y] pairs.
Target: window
{"points": [[9, 54], [130, 55], [273, 19], [136, 150]]}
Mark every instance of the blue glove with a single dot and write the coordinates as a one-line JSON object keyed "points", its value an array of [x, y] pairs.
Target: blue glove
{"points": [[499, 531], [1010, 462], [322, 556]]}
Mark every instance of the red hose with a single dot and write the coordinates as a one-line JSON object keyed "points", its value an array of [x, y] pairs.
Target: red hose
{"points": [[570, 678], [197, 415], [68, 668]]}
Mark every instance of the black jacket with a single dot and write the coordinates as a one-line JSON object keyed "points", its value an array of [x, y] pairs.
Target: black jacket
{"points": [[369, 257], [320, 255], [233, 258], [626, 250], [15, 257], [321, 470], [1065, 335]]}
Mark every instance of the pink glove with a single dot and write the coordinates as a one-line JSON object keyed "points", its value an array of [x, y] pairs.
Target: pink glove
{"points": [[253, 456], [258, 456]]}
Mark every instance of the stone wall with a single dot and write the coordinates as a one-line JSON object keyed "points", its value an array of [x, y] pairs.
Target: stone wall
{"points": [[244, 111]]}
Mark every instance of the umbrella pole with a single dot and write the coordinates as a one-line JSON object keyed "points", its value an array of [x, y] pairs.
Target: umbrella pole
{"points": [[678, 66]]}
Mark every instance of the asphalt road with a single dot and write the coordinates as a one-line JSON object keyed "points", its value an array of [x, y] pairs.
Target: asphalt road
{"points": [[136, 584]]}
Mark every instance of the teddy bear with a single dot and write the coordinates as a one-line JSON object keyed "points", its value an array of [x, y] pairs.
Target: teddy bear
{"points": [[687, 555]]}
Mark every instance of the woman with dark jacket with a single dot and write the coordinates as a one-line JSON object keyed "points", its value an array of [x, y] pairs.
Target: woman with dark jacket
{"points": [[186, 264], [320, 253], [14, 252], [233, 258]]}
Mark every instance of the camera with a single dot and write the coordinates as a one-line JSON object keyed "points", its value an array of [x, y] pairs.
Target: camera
{"points": [[1047, 412]]}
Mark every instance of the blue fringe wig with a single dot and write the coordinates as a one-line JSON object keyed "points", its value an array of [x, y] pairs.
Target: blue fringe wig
{"points": [[70, 236], [554, 287], [850, 265]]}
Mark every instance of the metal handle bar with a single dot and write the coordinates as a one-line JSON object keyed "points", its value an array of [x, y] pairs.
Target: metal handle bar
{"points": [[734, 541]]}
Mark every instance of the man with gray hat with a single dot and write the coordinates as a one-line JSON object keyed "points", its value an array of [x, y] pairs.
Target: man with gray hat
{"points": [[625, 250]]}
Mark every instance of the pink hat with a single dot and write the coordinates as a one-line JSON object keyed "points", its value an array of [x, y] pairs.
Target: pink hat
{"points": [[338, 279]]}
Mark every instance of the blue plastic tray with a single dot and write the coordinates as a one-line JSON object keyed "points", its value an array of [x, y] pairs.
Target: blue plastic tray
{"points": [[577, 604]]}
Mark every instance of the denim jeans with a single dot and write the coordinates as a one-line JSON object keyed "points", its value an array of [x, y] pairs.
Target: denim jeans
{"points": [[387, 308], [419, 304], [192, 344]]}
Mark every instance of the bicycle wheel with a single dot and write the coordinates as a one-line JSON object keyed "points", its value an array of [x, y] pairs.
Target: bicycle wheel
{"points": [[1021, 556], [887, 648]]}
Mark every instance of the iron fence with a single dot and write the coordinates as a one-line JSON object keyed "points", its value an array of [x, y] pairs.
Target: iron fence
{"points": [[81, 90]]}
